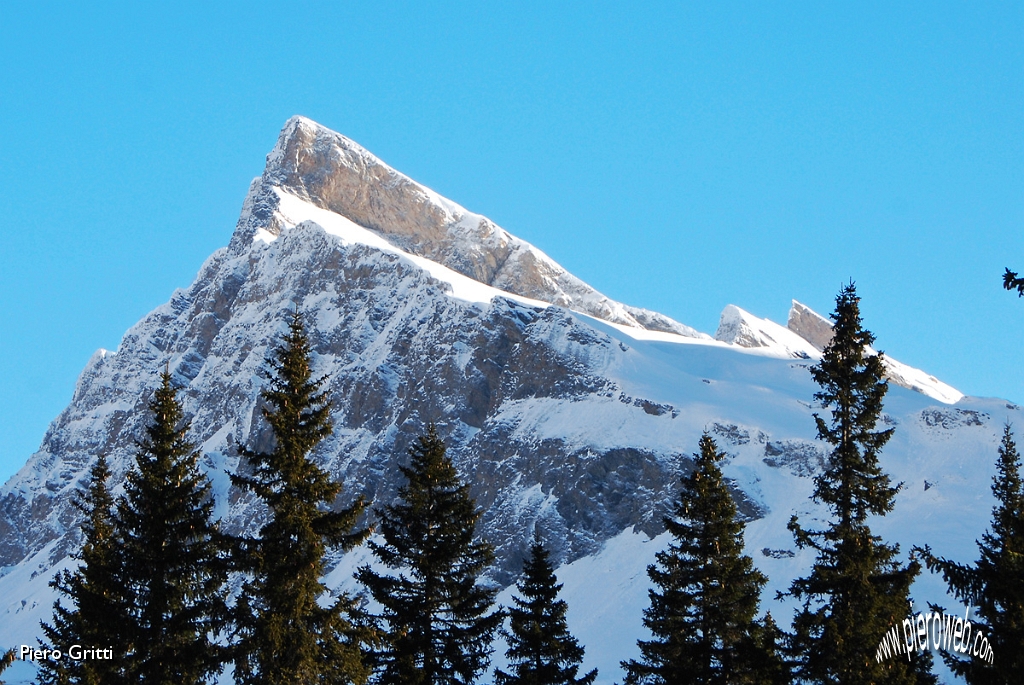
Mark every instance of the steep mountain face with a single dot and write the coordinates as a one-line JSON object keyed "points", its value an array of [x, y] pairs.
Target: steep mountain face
{"points": [[330, 171], [568, 413]]}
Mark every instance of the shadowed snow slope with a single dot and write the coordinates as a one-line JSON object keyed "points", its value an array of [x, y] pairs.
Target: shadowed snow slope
{"points": [[568, 414]]}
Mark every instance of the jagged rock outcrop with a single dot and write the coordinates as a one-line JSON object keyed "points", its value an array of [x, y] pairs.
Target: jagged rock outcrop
{"points": [[806, 335], [809, 325], [738, 327]]}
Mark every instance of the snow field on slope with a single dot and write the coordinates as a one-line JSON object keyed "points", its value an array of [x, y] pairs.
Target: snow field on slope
{"points": [[773, 339]]}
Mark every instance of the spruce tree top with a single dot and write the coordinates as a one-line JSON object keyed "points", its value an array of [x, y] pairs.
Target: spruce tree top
{"points": [[434, 506], [98, 529], [1006, 539], [173, 565], [853, 384], [96, 588], [541, 650], [439, 618], [299, 414], [706, 591], [995, 584], [97, 611], [1000, 597], [857, 587], [287, 634]]}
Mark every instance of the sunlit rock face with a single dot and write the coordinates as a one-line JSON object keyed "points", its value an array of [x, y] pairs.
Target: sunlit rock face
{"points": [[330, 171]]}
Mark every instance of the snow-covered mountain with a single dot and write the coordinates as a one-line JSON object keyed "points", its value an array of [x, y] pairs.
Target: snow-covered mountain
{"points": [[568, 413]]}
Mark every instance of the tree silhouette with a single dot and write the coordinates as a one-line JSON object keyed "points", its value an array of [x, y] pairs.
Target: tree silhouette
{"points": [[995, 583], [540, 649], [1012, 282], [706, 591], [438, 617], [172, 562], [285, 634], [857, 588], [97, 615]]}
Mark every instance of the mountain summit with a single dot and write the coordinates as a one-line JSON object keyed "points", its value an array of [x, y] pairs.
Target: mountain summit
{"points": [[331, 172], [571, 416]]}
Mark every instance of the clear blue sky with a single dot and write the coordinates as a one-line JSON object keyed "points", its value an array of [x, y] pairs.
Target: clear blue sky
{"points": [[676, 156]]}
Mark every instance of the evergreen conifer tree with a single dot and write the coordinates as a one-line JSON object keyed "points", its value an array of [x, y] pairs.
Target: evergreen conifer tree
{"points": [[770, 664], [438, 629], [286, 636], [857, 588], [97, 615], [173, 567], [540, 649], [995, 583], [706, 591]]}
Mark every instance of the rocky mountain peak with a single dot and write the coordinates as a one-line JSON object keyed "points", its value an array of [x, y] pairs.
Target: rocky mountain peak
{"points": [[739, 327], [331, 172], [805, 336]]}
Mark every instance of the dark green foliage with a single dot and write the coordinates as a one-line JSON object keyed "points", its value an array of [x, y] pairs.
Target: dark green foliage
{"points": [[770, 664], [98, 614], [1012, 282], [857, 588], [541, 651], [173, 568], [286, 636], [706, 591], [439, 630], [995, 583]]}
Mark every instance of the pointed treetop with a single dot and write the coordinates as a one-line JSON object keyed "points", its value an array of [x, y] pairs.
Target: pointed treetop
{"points": [[706, 591], [541, 651]]}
